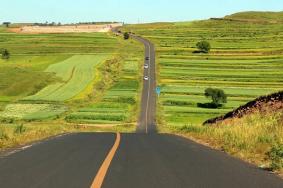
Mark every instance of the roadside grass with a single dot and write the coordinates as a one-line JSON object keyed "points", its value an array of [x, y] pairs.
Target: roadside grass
{"points": [[13, 135], [256, 138]]}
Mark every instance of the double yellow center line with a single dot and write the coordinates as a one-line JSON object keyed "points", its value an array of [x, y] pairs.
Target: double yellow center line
{"points": [[100, 176]]}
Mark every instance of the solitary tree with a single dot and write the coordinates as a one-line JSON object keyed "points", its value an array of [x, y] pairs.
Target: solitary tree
{"points": [[126, 36], [5, 54], [6, 24], [218, 96], [203, 46]]}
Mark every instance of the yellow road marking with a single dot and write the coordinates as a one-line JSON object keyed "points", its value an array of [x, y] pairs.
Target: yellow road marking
{"points": [[99, 178]]}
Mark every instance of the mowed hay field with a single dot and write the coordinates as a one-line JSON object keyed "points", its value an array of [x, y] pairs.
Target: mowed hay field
{"points": [[246, 61], [76, 74], [53, 75]]}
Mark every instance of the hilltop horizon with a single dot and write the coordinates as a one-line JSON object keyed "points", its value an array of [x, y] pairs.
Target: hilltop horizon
{"points": [[124, 11], [231, 15]]}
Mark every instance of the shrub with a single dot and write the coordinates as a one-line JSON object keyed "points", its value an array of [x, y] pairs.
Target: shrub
{"points": [[276, 156], [5, 54], [7, 120], [19, 129], [203, 46], [126, 36]]}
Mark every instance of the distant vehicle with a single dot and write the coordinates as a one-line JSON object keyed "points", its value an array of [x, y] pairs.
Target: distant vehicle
{"points": [[146, 78], [146, 66], [147, 58]]}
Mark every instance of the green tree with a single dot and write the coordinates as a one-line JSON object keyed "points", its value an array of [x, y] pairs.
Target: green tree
{"points": [[7, 24], [203, 46], [126, 36], [218, 96], [5, 54]]}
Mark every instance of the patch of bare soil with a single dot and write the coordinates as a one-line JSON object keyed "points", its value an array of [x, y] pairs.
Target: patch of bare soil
{"points": [[66, 29]]}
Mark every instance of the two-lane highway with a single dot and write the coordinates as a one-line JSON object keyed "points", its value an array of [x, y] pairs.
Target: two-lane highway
{"points": [[147, 119], [141, 161]]}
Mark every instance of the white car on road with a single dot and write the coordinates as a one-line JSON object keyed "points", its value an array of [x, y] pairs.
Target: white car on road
{"points": [[146, 78], [146, 66]]}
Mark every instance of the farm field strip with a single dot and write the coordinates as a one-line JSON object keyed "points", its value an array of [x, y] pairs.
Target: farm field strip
{"points": [[48, 44], [76, 73], [32, 111]]}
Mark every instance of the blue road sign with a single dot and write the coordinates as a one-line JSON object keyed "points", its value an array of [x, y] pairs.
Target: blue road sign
{"points": [[158, 90]]}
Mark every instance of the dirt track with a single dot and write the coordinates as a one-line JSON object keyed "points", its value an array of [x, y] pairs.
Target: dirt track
{"points": [[67, 28]]}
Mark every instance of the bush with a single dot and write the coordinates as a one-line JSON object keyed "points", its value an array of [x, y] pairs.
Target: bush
{"points": [[19, 129], [126, 36], [203, 46], [5, 54], [276, 156], [7, 120]]}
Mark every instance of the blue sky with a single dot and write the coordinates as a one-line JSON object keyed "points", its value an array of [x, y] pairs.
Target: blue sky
{"points": [[129, 11]]}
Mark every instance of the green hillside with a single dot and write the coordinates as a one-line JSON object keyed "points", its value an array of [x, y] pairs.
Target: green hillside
{"points": [[271, 17], [246, 61]]}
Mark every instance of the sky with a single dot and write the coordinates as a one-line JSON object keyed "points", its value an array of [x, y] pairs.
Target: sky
{"points": [[128, 11]]}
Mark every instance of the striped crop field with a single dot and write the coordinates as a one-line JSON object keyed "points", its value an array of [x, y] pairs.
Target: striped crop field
{"points": [[120, 103], [76, 73]]}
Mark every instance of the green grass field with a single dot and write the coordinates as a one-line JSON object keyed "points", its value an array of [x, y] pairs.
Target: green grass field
{"points": [[32, 111], [76, 73], [246, 61]]}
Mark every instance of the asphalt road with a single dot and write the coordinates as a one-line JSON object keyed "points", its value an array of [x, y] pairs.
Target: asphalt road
{"points": [[147, 117], [141, 161], [129, 160]]}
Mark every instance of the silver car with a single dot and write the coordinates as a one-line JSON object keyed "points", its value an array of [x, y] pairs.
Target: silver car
{"points": [[146, 78]]}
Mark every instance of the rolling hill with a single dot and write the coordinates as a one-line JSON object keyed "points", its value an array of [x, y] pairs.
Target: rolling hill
{"points": [[253, 16]]}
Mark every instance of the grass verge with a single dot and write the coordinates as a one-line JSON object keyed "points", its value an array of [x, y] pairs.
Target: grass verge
{"points": [[13, 135]]}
